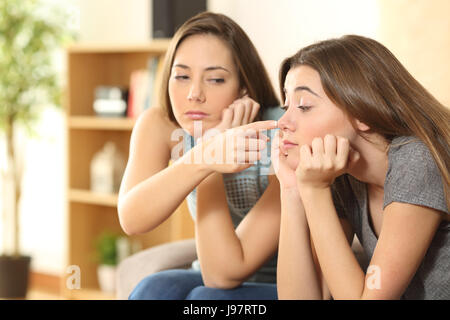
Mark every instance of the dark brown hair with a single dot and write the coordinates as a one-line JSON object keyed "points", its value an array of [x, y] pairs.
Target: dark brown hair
{"points": [[366, 81], [251, 71]]}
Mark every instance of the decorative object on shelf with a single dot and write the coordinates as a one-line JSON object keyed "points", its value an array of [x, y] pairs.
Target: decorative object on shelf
{"points": [[28, 84], [110, 101], [142, 83], [107, 168], [112, 248]]}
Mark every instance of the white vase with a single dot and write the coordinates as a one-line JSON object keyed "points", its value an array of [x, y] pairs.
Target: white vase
{"points": [[107, 278], [107, 168]]}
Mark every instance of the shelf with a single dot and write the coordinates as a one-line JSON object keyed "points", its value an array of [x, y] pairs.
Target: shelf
{"points": [[156, 46], [90, 65], [99, 123], [89, 197]]}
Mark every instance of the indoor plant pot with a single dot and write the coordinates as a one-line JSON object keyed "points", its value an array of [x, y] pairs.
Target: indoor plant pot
{"points": [[14, 276], [107, 261], [28, 40], [107, 278]]}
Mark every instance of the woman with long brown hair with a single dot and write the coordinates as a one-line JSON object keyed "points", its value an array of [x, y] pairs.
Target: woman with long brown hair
{"points": [[213, 79], [364, 149]]}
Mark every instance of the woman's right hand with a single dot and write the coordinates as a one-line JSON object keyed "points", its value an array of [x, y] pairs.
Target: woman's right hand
{"points": [[233, 150], [285, 174]]}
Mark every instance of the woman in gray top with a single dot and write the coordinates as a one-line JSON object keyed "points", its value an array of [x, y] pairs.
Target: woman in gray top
{"points": [[364, 150]]}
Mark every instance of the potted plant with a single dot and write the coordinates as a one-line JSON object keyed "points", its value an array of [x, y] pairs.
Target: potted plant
{"points": [[112, 248], [108, 259], [28, 84]]}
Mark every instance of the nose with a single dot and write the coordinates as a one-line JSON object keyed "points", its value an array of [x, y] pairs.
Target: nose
{"points": [[196, 93], [287, 122]]}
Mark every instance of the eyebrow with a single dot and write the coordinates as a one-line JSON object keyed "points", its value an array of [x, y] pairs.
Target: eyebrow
{"points": [[211, 68], [300, 88]]}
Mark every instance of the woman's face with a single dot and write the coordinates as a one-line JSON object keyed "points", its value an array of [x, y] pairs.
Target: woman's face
{"points": [[203, 81], [310, 113]]}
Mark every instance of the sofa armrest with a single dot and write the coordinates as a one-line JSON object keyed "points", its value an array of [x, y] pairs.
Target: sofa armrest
{"points": [[178, 254]]}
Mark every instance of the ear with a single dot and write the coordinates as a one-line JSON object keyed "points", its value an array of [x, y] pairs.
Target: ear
{"points": [[362, 126]]}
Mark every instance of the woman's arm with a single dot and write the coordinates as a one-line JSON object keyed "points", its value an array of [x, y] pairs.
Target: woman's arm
{"points": [[406, 232], [228, 256], [405, 236], [333, 249], [297, 274], [150, 191]]}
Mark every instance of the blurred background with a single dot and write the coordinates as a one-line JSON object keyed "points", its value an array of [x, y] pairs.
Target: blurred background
{"points": [[93, 58]]}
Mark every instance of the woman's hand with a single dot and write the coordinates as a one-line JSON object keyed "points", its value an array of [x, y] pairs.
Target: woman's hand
{"points": [[241, 112], [328, 158], [233, 150], [285, 174]]}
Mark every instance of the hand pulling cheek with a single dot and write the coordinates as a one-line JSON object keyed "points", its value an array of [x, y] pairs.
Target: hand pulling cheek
{"points": [[327, 159]]}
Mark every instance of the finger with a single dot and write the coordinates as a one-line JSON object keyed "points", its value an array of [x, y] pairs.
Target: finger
{"points": [[261, 125], [248, 103], [317, 149], [243, 157], [238, 114], [250, 133], [255, 144], [276, 140], [305, 155], [275, 146], [254, 113], [342, 152], [250, 144], [263, 136], [330, 145], [252, 156], [227, 118]]}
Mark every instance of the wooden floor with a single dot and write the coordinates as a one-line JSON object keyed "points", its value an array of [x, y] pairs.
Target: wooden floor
{"points": [[42, 295], [43, 286], [35, 294]]}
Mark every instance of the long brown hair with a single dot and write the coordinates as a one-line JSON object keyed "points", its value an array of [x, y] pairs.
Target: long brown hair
{"points": [[252, 73], [365, 80]]}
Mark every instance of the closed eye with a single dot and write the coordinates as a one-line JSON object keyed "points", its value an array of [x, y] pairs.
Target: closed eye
{"points": [[217, 80], [304, 108], [181, 77], [284, 108]]}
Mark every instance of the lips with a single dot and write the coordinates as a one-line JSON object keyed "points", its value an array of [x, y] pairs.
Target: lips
{"points": [[289, 144], [196, 115]]}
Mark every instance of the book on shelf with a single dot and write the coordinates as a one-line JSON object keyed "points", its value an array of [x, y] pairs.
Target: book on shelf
{"points": [[142, 84]]}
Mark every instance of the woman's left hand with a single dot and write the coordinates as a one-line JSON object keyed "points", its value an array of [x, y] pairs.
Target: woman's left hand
{"points": [[324, 161], [241, 112]]}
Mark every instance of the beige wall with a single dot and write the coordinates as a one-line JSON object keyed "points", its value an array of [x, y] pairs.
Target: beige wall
{"points": [[114, 21], [280, 28], [418, 33]]}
